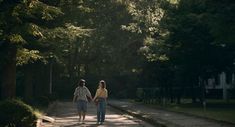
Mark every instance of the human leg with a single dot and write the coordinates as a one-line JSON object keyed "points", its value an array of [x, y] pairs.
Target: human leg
{"points": [[80, 115], [79, 110], [98, 113], [83, 115], [84, 110], [102, 111]]}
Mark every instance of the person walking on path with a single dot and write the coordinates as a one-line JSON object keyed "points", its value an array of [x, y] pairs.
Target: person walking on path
{"points": [[81, 94], [100, 97]]}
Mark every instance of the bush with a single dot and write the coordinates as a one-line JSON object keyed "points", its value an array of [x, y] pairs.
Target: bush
{"points": [[15, 113]]}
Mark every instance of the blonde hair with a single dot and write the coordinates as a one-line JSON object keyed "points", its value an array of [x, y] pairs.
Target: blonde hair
{"points": [[102, 84]]}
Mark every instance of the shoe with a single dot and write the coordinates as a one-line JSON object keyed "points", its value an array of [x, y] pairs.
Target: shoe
{"points": [[101, 123]]}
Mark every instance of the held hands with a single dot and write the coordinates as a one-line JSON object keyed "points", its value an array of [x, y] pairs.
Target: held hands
{"points": [[89, 99]]}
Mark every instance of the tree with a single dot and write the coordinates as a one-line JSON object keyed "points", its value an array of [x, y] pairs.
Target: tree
{"points": [[190, 42], [21, 26], [188, 35], [109, 52]]}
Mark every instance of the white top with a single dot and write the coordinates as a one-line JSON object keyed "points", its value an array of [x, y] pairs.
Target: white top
{"points": [[81, 93]]}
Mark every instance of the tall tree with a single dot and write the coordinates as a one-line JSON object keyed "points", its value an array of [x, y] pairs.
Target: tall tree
{"points": [[190, 40], [21, 25]]}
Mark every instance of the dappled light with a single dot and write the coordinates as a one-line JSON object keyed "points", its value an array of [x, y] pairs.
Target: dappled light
{"points": [[65, 116], [157, 62]]}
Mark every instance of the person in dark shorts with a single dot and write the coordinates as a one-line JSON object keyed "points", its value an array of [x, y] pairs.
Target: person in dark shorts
{"points": [[80, 97]]}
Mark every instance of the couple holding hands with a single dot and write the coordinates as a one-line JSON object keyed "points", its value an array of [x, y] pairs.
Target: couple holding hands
{"points": [[80, 97]]}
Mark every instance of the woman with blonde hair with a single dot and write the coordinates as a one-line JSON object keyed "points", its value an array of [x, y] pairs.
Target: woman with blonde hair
{"points": [[101, 98]]}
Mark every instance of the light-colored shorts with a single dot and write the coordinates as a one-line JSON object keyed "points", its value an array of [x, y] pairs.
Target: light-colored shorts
{"points": [[82, 105]]}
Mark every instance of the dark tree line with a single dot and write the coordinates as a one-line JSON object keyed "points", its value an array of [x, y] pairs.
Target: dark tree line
{"points": [[154, 43]]}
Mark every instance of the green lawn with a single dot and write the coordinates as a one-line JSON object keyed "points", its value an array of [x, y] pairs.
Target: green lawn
{"points": [[216, 109]]}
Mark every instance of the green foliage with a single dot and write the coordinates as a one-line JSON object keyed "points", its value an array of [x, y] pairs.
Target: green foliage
{"points": [[147, 16], [183, 39], [16, 39], [119, 40], [46, 12], [15, 113], [24, 56], [22, 24], [191, 40]]}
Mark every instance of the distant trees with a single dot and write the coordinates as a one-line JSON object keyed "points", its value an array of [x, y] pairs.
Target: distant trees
{"points": [[129, 43], [189, 38]]}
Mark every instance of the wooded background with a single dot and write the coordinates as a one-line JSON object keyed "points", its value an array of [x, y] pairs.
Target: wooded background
{"points": [[46, 46]]}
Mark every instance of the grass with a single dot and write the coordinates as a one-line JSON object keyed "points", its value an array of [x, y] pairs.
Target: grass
{"points": [[39, 111], [215, 109]]}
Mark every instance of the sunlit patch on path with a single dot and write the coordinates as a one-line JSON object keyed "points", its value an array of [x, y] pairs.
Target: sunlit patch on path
{"points": [[65, 116]]}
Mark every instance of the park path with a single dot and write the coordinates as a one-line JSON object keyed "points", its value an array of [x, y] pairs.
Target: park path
{"points": [[165, 118], [64, 114]]}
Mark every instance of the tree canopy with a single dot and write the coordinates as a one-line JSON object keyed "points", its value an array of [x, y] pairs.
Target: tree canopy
{"points": [[128, 43]]}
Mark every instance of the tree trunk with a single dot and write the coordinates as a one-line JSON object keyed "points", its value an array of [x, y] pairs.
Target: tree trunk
{"points": [[70, 70], [8, 88], [193, 90], [86, 68], [28, 91]]}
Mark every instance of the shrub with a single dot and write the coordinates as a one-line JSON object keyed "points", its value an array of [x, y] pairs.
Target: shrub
{"points": [[15, 113]]}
